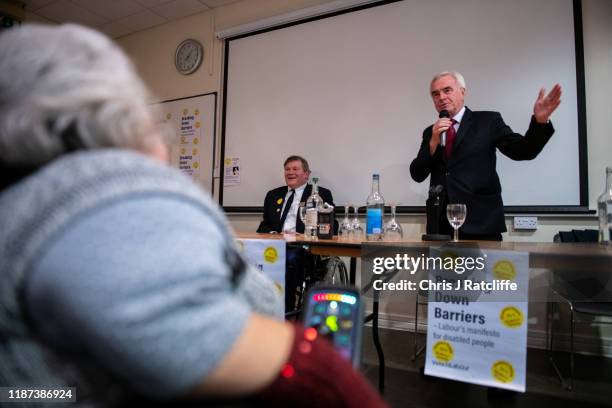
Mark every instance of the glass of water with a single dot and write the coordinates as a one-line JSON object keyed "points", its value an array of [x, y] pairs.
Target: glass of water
{"points": [[393, 230], [456, 213], [310, 222], [356, 232], [346, 226]]}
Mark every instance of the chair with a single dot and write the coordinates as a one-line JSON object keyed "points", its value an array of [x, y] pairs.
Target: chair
{"points": [[587, 287], [329, 270]]}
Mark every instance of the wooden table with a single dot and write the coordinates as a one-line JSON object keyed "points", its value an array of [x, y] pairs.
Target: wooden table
{"points": [[556, 256]]}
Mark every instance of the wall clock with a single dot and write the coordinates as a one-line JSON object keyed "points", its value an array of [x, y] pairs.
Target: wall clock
{"points": [[188, 56]]}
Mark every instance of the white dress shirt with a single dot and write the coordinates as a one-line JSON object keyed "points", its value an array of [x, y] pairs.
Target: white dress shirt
{"points": [[458, 118], [291, 220]]}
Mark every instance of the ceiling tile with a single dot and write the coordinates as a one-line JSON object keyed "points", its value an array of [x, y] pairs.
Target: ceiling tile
{"points": [[36, 4], [217, 3], [152, 3], [115, 29], [32, 17], [141, 21], [64, 11], [179, 8], [111, 9]]}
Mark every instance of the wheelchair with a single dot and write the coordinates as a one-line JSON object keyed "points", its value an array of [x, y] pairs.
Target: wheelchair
{"points": [[306, 270]]}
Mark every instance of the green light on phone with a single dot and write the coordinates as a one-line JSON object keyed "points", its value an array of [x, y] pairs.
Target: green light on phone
{"points": [[332, 323]]}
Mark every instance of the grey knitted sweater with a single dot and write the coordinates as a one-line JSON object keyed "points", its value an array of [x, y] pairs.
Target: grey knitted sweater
{"points": [[36, 211]]}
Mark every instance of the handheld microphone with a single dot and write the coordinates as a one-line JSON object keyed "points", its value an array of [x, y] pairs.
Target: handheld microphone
{"points": [[443, 114]]}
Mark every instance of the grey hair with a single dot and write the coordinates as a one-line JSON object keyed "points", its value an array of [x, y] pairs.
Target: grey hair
{"points": [[458, 77], [55, 79]]}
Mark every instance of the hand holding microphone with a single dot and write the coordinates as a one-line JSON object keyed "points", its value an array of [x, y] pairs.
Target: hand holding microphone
{"points": [[438, 136], [443, 114]]}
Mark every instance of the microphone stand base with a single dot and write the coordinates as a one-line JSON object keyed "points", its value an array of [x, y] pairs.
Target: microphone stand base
{"points": [[435, 237]]}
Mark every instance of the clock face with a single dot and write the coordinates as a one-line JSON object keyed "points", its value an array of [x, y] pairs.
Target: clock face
{"points": [[189, 56]]}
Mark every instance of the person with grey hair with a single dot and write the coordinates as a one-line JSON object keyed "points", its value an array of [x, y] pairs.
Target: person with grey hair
{"points": [[120, 277], [459, 153]]}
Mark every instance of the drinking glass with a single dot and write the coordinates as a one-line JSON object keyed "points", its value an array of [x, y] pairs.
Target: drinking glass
{"points": [[392, 229], [346, 225], [456, 213], [356, 228], [310, 233]]}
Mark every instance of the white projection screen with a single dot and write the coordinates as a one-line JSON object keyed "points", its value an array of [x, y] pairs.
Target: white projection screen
{"points": [[350, 93]]}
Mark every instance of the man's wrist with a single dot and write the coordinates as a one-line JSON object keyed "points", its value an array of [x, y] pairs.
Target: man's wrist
{"points": [[541, 121]]}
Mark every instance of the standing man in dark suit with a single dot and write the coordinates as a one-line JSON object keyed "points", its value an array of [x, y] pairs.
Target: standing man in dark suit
{"points": [[281, 204], [465, 167]]}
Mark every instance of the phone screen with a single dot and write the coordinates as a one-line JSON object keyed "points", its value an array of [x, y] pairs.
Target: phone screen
{"points": [[335, 314]]}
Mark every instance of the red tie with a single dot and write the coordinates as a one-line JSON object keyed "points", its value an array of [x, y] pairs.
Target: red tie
{"points": [[450, 139]]}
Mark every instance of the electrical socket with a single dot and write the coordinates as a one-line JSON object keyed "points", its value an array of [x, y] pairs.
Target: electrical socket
{"points": [[526, 223]]}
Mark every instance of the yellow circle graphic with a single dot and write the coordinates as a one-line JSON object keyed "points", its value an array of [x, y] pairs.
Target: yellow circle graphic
{"points": [[196, 140], [194, 151], [270, 255], [183, 150], [228, 162], [197, 125], [185, 111], [196, 165], [443, 351], [197, 111], [168, 115], [279, 201], [511, 316], [504, 270], [502, 371]]}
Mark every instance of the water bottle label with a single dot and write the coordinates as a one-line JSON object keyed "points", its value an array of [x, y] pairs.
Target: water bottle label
{"points": [[374, 221]]}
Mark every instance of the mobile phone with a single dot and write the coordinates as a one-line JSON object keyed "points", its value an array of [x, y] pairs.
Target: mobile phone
{"points": [[336, 313]]}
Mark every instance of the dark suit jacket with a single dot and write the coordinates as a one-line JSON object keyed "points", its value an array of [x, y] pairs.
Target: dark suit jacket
{"points": [[273, 208], [469, 177]]}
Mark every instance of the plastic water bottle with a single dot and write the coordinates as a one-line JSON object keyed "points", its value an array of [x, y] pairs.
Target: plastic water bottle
{"points": [[375, 209]]}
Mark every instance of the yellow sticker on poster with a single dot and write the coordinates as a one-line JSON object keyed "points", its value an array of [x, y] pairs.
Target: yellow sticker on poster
{"points": [[504, 270], [443, 351], [502, 371], [511, 317], [270, 255]]}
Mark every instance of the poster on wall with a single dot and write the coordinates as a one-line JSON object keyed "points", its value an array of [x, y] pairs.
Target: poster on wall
{"points": [[191, 123], [231, 176]]}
